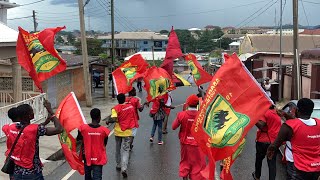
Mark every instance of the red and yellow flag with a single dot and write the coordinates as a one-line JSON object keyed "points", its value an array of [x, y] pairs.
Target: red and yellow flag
{"points": [[37, 55], [71, 117], [233, 104], [128, 72], [200, 76], [227, 162], [157, 82]]}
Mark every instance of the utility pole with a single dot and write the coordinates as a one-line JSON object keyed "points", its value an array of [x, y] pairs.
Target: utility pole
{"points": [[86, 74], [112, 43], [280, 63], [296, 64], [35, 24]]}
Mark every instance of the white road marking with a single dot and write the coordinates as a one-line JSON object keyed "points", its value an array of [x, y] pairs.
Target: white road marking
{"points": [[67, 176]]}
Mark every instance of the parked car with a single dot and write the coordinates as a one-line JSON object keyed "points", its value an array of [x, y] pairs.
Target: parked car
{"points": [[97, 78]]}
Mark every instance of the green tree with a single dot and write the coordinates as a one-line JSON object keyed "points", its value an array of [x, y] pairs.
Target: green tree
{"points": [[164, 32], [206, 43], [94, 47], [225, 43], [60, 40], [71, 39], [187, 41]]}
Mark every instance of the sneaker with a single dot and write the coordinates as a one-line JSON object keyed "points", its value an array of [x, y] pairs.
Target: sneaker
{"points": [[151, 139], [160, 143], [124, 174]]}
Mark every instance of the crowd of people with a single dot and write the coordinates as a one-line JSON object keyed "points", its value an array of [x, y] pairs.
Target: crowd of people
{"points": [[300, 133]]}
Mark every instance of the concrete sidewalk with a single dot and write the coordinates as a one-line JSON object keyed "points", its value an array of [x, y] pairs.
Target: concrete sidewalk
{"points": [[50, 145]]}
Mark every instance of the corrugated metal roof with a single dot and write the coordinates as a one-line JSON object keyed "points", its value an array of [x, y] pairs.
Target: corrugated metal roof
{"points": [[7, 34]]}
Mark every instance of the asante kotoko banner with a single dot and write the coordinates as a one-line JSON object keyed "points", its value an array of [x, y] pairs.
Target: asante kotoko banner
{"points": [[37, 55], [233, 104]]}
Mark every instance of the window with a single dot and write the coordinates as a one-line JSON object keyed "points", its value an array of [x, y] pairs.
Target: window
{"points": [[145, 42], [124, 42], [145, 49], [165, 42]]}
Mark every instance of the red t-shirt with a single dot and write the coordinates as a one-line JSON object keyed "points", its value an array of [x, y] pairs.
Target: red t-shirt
{"points": [[135, 103], [94, 148], [271, 130], [185, 119]]}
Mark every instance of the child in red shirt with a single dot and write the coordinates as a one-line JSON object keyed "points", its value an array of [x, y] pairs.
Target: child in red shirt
{"points": [[192, 159]]}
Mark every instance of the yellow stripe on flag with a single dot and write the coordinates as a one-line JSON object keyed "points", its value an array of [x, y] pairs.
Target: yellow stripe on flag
{"points": [[185, 82]]}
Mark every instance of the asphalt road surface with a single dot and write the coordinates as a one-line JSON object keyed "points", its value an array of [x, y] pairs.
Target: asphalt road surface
{"points": [[154, 162]]}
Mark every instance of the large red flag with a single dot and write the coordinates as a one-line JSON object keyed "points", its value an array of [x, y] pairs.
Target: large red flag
{"points": [[157, 82], [227, 162], [70, 115], [129, 71], [173, 51], [200, 76], [233, 104], [37, 55]]}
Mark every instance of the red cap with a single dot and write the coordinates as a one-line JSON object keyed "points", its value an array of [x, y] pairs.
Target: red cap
{"points": [[192, 100]]}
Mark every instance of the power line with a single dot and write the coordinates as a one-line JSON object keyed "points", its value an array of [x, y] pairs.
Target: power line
{"points": [[259, 14], [250, 16], [19, 18], [311, 2], [27, 4], [304, 10], [194, 13]]}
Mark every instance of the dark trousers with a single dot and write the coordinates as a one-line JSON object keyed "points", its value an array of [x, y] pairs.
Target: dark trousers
{"points": [[93, 172], [261, 151], [139, 86], [157, 123], [37, 176], [301, 175], [290, 170]]}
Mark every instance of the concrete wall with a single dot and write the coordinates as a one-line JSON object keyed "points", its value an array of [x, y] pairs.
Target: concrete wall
{"points": [[306, 86], [287, 87], [59, 86], [7, 52]]}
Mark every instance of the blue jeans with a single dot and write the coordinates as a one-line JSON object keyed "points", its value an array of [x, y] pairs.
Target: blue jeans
{"points": [[37, 176], [93, 172], [155, 124]]}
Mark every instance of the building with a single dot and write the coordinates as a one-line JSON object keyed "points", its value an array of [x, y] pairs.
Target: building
{"points": [[149, 56], [234, 47], [251, 30], [229, 30], [66, 49], [234, 37], [72, 79], [4, 6], [8, 39], [211, 27], [266, 59], [311, 32], [284, 31], [128, 43], [255, 43]]}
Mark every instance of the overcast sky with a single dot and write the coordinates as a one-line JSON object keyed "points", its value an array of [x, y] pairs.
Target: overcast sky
{"points": [[161, 14]]}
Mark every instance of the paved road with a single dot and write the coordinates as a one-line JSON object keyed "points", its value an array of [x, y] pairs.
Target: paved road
{"points": [[151, 161]]}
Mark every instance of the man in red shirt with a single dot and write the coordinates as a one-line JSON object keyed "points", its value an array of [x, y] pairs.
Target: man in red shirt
{"points": [[192, 159], [304, 135], [95, 138], [268, 128], [136, 103]]}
